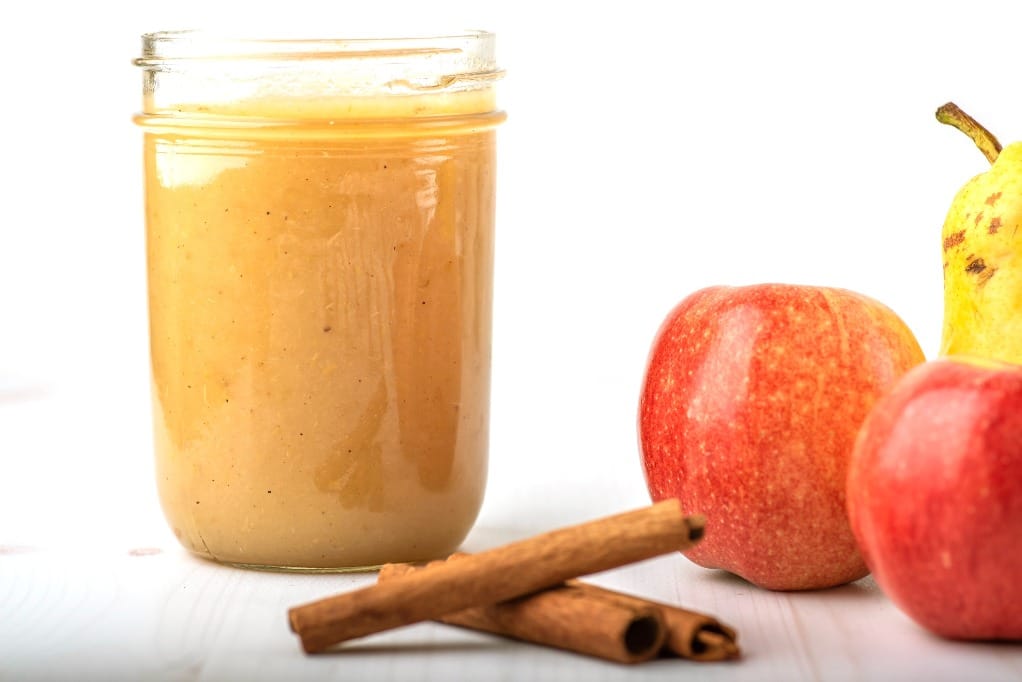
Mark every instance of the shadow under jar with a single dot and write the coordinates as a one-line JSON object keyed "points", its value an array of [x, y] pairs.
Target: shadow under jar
{"points": [[319, 220]]}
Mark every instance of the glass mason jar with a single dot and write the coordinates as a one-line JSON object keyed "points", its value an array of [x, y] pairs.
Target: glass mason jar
{"points": [[319, 221]]}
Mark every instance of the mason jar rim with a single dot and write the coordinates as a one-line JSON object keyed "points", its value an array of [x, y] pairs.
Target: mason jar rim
{"points": [[166, 47]]}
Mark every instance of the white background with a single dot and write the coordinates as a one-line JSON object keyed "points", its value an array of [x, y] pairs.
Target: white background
{"points": [[651, 149]]}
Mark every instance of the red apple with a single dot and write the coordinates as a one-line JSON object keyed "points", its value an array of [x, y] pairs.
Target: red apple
{"points": [[749, 410], [935, 497]]}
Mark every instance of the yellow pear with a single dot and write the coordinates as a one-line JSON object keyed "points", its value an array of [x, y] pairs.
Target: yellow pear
{"points": [[983, 252]]}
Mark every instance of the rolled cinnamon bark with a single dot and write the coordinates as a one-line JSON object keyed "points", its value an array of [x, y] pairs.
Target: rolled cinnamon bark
{"points": [[564, 618], [498, 574], [690, 634], [698, 637], [592, 620]]}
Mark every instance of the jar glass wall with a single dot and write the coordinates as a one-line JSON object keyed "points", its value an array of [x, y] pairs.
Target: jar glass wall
{"points": [[319, 219]]}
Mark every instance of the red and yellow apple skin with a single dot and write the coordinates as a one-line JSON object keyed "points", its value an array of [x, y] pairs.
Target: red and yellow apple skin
{"points": [[935, 497], [749, 410]]}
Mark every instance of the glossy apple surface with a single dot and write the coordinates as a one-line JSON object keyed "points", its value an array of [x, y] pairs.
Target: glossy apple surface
{"points": [[749, 409], [935, 497]]}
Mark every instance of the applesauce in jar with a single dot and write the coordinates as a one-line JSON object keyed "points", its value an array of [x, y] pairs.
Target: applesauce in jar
{"points": [[319, 220]]}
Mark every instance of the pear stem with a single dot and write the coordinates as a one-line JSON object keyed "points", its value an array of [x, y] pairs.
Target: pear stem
{"points": [[951, 115]]}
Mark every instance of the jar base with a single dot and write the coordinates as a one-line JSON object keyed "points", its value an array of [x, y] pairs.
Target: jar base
{"points": [[272, 568]]}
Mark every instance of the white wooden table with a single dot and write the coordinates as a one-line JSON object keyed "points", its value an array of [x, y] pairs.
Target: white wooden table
{"points": [[93, 587]]}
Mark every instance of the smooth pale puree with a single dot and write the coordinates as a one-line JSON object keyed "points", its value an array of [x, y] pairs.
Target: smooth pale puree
{"points": [[320, 302]]}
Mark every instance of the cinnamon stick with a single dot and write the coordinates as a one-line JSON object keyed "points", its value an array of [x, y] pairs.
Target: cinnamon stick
{"points": [[592, 620], [564, 618], [697, 636], [690, 634], [497, 575]]}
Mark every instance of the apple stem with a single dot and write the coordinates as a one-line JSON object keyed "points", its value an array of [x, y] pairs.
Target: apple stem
{"points": [[951, 115]]}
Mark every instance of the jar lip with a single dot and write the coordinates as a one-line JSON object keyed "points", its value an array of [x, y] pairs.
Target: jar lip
{"points": [[214, 67], [161, 47], [373, 35]]}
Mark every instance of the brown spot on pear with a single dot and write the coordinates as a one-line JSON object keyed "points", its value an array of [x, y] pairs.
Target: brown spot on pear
{"points": [[979, 268], [954, 239], [975, 265]]}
